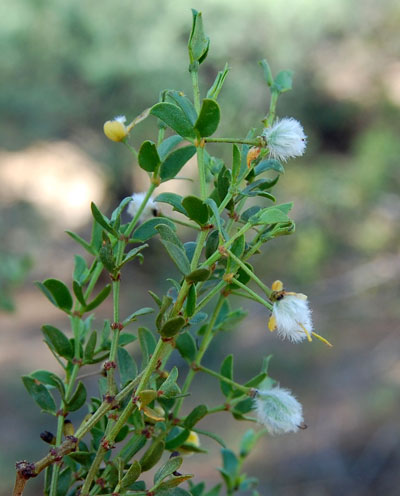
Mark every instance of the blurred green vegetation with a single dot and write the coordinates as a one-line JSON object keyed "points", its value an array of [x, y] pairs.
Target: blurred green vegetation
{"points": [[66, 67]]}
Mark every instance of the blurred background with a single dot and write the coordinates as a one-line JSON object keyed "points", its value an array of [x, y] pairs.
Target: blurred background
{"points": [[66, 67]]}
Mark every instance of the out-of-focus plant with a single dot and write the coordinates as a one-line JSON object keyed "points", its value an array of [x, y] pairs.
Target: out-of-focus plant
{"points": [[142, 404], [13, 270]]}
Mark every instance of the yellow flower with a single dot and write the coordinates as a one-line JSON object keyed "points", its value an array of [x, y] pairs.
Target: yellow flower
{"points": [[116, 130], [192, 444]]}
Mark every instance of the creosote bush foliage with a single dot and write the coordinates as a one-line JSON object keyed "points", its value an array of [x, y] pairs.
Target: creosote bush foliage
{"points": [[135, 424]]}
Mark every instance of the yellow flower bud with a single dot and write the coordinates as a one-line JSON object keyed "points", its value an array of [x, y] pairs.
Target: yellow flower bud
{"points": [[277, 286], [116, 130], [68, 428]]}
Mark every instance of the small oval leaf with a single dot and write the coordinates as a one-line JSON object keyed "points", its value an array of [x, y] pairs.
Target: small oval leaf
{"points": [[175, 161], [172, 327], [148, 157], [174, 117], [78, 398], [208, 120]]}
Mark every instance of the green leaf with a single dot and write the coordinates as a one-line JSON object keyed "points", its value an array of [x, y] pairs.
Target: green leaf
{"points": [[78, 293], [148, 157], [131, 475], [134, 445], [248, 442], [99, 298], [40, 394], [224, 181], [196, 209], [125, 339], [78, 398], [190, 248], [116, 215], [172, 327], [82, 457], [132, 254], [49, 379], [167, 234], [165, 304], [176, 491], [82, 242], [243, 406], [57, 292], [167, 469], [230, 461], [168, 145], [242, 276], [176, 438], [231, 319], [147, 344], [174, 162], [152, 455], [236, 163], [198, 42], [102, 220], [227, 371], [270, 215], [216, 87], [212, 243], [174, 117], [195, 416], [64, 481], [169, 385], [97, 236], [198, 275], [256, 380], [191, 298], [185, 104], [186, 346], [133, 316], [173, 483], [283, 82], [106, 255], [80, 269], [270, 164], [178, 255], [126, 366], [211, 435], [198, 318], [211, 203], [267, 72], [90, 346], [238, 246], [155, 298], [250, 212], [148, 229], [208, 120], [57, 341], [198, 489], [172, 199], [214, 491], [265, 364]]}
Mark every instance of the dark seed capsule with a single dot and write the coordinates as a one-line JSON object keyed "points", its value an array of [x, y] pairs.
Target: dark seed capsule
{"points": [[48, 437]]}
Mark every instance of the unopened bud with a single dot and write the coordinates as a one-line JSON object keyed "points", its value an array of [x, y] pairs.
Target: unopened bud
{"points": [[68, 428]]}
